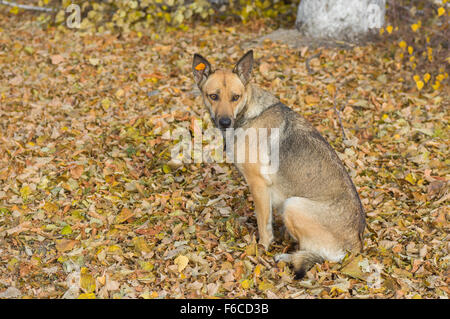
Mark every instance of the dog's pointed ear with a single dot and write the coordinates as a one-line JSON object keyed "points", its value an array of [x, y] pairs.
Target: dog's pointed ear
{"points": [[244, 67], [201, 69]]}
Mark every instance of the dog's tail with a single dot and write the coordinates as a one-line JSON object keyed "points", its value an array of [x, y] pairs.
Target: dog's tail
{"points": [[303, 260]]}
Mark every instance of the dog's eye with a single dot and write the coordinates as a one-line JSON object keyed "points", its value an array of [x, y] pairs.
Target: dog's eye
{"points": [[235, 97], [214, 97]]}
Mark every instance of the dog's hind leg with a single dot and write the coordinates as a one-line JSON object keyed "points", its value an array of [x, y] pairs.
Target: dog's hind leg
{"points": [[317, 243]]}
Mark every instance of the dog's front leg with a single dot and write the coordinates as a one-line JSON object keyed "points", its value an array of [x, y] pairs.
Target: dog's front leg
{"points": [[263, 210]]}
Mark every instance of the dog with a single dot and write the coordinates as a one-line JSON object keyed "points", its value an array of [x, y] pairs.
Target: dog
{"points": [[311, 188]]}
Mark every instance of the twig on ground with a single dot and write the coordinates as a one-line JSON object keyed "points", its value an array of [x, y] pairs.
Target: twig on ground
{"points": [[26, 7]]}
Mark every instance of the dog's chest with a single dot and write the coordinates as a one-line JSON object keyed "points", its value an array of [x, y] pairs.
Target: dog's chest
{"points": [[277, 197]]}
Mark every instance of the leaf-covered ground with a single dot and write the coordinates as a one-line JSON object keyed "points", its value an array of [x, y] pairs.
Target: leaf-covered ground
{"points": [[91, 207]]}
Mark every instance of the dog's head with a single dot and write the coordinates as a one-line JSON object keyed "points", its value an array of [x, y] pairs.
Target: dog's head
{"points": [[224, 92]]}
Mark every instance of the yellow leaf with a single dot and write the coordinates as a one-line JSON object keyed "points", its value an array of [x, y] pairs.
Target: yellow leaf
{"points": [[257, 270], [166, 169], [140, 244], [154, 294], [402, 44], [182, 262], [331, 89], [416, 78], [114, 249], [263, 285], [410, 50], [245, 284], [436, 85], [14, 10], [25, 191], [119, 93], [87, 282], [106, 103], [389, 29], [381, 31], [415, 27], [440, 77], [419, 85], [123, 216], [147, 295], [251, 250], [200, 66], [67, 230], [426, 77], [411, 179], [441, 11]]}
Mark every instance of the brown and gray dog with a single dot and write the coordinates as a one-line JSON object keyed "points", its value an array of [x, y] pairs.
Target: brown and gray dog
{"points": [[312, 190]]}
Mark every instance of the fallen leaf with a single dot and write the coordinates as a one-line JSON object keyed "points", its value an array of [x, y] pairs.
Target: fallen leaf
{"points": [[63, 245], [123, 216], [57, 59], [182, 262], [76, 171]]}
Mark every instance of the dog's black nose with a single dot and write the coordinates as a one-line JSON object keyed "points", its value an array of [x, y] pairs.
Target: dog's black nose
{"points": [[225, 122]]}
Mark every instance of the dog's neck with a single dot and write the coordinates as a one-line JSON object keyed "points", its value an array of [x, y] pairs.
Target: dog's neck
{"points": [[258, 100]]}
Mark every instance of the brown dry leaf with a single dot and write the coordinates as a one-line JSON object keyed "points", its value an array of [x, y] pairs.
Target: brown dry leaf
{"points": [[77, 171], [57, 59], [312, 99], [63, 245], [123, 216], [353, 269], [264, 68], [16, 80], [20, 228]]}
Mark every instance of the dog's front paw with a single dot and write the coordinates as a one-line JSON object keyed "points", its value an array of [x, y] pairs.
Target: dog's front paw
{"points": [[265, 242]]}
